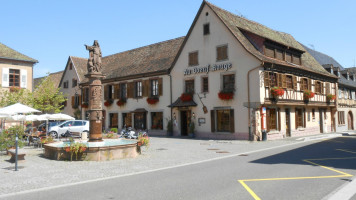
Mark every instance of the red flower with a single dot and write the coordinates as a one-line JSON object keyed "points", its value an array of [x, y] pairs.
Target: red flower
{"points": [[85, 105], [121, 102], [308, 94], [108, 102], [152, 100], [186, 97], [277, 91], [67, 149], [226, 95]]}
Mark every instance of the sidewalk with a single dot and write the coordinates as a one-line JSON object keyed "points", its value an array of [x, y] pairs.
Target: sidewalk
{"points": [[39, 172]]}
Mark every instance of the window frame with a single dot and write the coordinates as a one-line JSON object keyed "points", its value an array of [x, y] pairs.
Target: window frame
{"points": [[217, 53], [154, 88], [14, 77], [206, 29], [138, 89], [341, 117], [191, 60], [160, 125], [187, 87], [224, 81], [205, 86]]}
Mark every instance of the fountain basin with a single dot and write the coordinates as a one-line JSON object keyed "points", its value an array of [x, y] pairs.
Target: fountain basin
{"points": [[109, 149]]}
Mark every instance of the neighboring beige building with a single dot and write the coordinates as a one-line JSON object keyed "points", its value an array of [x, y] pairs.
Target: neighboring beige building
{"points": [[73, 75], [16, 69]]}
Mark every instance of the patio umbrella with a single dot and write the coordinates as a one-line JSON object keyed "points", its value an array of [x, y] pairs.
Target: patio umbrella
{"points": [[60, 116], [35, 118], [17, 108]]}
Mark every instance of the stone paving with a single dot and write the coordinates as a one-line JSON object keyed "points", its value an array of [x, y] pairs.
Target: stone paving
{"points": [[39, 172]]}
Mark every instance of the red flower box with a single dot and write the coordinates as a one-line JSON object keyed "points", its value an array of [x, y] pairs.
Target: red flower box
{"points": [[186, 97], [277, 91], [85, 105], [121, 102], [330, 97], [108, 102], [152, 100], [308, 94], [226, 95]]}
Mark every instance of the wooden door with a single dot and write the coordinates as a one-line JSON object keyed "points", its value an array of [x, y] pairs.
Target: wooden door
{"points": [[288, 128]]}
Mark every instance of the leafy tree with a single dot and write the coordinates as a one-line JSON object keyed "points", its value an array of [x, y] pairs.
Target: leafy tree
{"points": [[46, 97], [15, 95]]}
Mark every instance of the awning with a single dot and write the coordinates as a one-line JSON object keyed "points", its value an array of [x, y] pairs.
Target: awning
{"points": [[139, 110], [180, 103]]}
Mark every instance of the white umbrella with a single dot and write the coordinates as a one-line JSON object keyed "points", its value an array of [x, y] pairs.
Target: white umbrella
{"points": [[17, 108], [35, 118], [60, 116], [17, 117]]}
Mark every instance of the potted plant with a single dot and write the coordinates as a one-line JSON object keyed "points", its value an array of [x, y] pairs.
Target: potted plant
{"points": [[186, 97], [277, 92], [8, 138], [307, 94], [85, 105], [108, 102], [330, 97], [152, 100], [226, 95], [121, 102], [75, 148]]}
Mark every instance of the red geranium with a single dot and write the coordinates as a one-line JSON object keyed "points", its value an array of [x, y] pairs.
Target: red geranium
{"points": [[121, 102], [331, 97], [152, 100], [186, 97], [226, 95], [85, 105], [277, 91], [308, 94], [108, 102]]}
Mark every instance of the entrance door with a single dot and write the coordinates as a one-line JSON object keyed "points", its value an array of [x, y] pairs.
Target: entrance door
{"points": [[288, 129], [184, 121], [350, 121], [321, 121]]}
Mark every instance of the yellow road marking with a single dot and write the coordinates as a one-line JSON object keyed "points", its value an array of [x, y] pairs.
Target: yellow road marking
{"points": [[343, 174], [345, 150], [332, 141]]}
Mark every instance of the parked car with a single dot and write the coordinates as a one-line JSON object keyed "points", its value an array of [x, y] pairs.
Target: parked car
{"points": [[75, 127]]}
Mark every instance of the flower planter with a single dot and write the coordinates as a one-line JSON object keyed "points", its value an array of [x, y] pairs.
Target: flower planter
{"points": [[152, 100], [108, 103], [121, 102], [226, 95], [186, 97]]}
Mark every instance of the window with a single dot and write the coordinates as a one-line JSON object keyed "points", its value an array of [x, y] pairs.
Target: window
{"points": [[341, 117], [78, 123], [189, 86], [154, 87], [193, 58], [313, 114], [279, 54], [113, 117], [14, 77], [123, 90], [138, 89], [206, 29], [126, 120], [76, 101], [269, 51], [296, 59], [318, 87], [140, 121], [229, 82], [221, 53], [205, 84], [65, 84], [86, 95], [272, 119], [223, 120], [299, 121], [288, 57], [304, 84], [289, 82], [157, 120], [74, 83]]}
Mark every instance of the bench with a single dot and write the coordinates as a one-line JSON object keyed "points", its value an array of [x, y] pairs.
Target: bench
{"points": [[20, 155]]}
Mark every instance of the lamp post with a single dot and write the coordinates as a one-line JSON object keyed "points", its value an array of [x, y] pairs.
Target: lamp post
{"points": [[16, 151]]}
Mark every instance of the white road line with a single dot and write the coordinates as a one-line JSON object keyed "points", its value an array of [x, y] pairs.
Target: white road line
{"points": [[147, 171]]}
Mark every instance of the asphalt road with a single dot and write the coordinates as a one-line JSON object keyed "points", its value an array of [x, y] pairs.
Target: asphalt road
{"points": [[309, 170]]}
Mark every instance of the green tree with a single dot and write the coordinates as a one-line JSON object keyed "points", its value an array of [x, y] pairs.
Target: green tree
{"points": [[15, 95], [47, 98]]}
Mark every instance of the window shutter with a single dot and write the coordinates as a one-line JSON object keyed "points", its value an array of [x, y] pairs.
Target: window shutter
{"points": [[145, 84], [327, 88], [232, 121], [284, 81], [80, 100], [73, 101], [117, 91], [106, 92], [5, 77], [322, 87], [23, 78], [295, 83], [149, 92], [309, 84], [130, 89], [266, 79], [212, 118], [160, 86], [279, 80]]}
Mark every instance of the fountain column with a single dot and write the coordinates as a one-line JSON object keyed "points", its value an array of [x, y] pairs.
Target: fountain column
{"points": [[95, 92]]}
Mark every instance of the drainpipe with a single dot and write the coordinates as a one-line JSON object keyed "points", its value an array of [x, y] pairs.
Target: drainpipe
{"points": [[248, 101], [171, 98]]}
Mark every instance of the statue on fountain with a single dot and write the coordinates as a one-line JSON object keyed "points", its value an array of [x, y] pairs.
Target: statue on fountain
{"points": [[94, 61]]}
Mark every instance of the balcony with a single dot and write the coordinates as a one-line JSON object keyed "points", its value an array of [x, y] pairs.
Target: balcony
{"points": [[347, 102]]}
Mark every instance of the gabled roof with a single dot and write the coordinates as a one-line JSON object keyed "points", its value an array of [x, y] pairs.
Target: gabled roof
{"points": [[237, 24], [80, 65], [8, 53], [55, 77], [153, 58]]}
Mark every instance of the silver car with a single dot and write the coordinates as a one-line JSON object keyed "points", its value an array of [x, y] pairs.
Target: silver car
{"points": [[75, 127]]}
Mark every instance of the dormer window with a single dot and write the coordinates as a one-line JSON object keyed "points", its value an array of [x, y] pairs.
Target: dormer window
{"points": [[348, 76], [331, 71]]}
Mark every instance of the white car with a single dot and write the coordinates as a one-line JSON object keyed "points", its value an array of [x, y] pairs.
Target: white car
{"points": [[76, 127]]}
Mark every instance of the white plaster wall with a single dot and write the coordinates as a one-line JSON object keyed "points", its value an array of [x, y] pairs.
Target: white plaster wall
{"points": [[18, 65], [241, 61]]}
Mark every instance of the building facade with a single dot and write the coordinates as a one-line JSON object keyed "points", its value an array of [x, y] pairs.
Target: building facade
{"points": [[16, 69]]}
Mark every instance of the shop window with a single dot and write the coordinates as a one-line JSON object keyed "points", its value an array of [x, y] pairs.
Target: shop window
{"points": [[74, 83], [205, 84], [206, 29], [229, 83], [138, 89], [157, 120], [154, 87], [222, 120], [126, 120], [14, 77], [221, 53], [193, 58], [189, 86], [113, 117], [140, 121], [341, 117]]}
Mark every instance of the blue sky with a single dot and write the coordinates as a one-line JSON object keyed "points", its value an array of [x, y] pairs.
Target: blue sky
{"points": [[50, 31]]}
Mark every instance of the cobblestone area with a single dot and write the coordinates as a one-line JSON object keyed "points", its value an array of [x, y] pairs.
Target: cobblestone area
{"points": [[39, 172]]}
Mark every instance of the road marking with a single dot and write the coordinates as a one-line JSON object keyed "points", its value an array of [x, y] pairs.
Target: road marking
{"points": [[345, 150], [343, 174], [335, 141]]}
